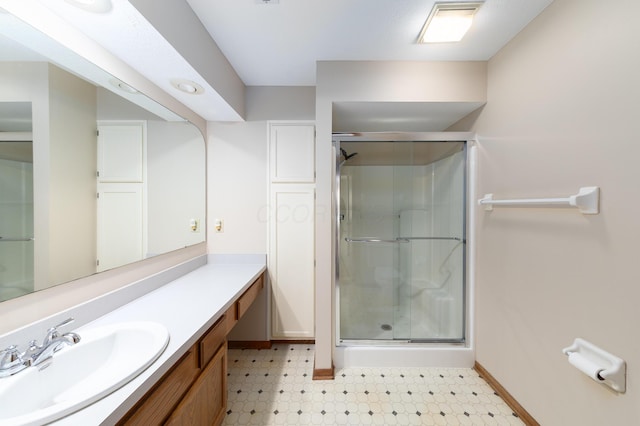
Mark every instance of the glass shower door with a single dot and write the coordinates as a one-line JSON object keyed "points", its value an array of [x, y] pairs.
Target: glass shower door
{"points": [[16, 219], [401, 243]]}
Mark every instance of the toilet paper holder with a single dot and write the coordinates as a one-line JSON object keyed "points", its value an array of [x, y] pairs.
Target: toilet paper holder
{"points": [[598, 364]]}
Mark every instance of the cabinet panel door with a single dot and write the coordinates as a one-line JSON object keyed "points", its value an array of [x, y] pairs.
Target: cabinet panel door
{"points": [[121, 152], [291, 261], [206, 401], [121, 228], [292, 152]]}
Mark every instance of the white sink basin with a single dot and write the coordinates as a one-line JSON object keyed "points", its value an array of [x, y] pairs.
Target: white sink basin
{"points": [[105, 359]]}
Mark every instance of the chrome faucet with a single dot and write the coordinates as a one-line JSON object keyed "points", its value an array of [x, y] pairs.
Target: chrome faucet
{"points": [[12, 361]]}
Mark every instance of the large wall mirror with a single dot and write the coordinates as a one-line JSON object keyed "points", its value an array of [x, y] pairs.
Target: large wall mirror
{"points": [[93, 174]]}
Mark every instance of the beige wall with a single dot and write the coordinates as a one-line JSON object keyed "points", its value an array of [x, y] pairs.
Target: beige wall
{"points": [[562, 113], [237, 194], [280, 103], [71, 179], [237, 183], [176, 181]]}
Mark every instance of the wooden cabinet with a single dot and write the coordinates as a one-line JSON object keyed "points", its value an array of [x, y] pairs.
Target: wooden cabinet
{"points": [[240, 307], [206, 401], [247, 298], [157, 406], [194, 391]]}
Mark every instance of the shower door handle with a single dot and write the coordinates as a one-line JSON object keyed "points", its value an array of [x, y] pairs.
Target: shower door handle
{"points": [[376, 240]]}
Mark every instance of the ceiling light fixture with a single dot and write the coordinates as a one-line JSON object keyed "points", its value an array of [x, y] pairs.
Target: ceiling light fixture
{"points": [[95, 6], [187, 86], [122, 86], [448, 22]]}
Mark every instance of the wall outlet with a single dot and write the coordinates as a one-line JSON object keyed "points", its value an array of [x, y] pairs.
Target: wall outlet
{"points": [[194, 224], [218, 225]]}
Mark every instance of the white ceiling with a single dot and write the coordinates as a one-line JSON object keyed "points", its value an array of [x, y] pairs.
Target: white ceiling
{"points": [[278, 44]]}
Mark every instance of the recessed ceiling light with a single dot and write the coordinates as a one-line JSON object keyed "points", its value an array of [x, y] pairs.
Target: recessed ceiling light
{"points": [[96, 6], [187, 86], [122, 86], [448, 22]]}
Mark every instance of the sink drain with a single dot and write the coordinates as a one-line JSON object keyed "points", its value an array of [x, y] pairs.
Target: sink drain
{"points": [[386, 327]]}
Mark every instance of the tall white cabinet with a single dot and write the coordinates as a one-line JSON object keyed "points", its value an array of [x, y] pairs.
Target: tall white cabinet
{"points": [[291, 258], [121, 216]]}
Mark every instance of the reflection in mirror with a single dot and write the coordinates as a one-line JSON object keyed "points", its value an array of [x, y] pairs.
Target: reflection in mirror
{"points": [[16, 200], [107, 180]]}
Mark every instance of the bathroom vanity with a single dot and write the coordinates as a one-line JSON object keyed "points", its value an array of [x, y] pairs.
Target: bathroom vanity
{"points": [[194, 390], [187, 383]]}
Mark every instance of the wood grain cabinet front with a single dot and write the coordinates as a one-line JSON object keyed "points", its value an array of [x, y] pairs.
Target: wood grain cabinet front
{"points": [[206, 401], [158, 404], [248, 297], [194, 391]]}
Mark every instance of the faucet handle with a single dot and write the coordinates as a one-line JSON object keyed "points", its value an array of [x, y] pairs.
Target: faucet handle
{"points": [[10, 356], [65, 322], [11, 361], [52, 333]]}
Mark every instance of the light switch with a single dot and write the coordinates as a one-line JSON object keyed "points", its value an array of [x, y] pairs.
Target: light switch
{"points": [[218, 225]]}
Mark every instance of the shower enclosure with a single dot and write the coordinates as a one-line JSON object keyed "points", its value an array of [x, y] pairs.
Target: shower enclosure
{"points": [[400, 238], [16, 219]]}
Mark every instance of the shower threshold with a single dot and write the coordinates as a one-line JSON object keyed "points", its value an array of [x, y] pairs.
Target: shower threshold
{"points": [[400, 342], [396, 353]]}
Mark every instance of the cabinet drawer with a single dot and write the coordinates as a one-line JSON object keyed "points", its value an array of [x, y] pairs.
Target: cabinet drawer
{"points": [[206, 401], [212, 340], [232, 316], [245, 301], [161, 400]]}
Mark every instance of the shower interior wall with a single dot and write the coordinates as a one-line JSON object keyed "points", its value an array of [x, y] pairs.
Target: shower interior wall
{"points": [[16, 211], [402, 291]]}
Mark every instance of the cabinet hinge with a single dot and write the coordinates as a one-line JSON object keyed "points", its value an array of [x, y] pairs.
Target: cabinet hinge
{"points": [[97, 132], [97, 195], [98, 262]]}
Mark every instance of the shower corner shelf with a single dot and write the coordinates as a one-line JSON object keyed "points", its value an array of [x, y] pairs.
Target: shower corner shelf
{"points": [[587, 201]]}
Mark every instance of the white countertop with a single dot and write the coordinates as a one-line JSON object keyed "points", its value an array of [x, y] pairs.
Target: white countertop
{"points": [[187, 306]]}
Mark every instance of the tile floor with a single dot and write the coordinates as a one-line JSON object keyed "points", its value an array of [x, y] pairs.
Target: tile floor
{"points": [[274, 387]]}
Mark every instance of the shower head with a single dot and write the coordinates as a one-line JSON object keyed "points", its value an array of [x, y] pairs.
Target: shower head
{"points": [[347, 156]]}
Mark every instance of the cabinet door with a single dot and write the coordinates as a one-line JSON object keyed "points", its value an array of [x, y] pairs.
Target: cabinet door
{"points": [[292, 152], [206, 401], [121, 224], [157, 405], [291, 260], [121, 151]]}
